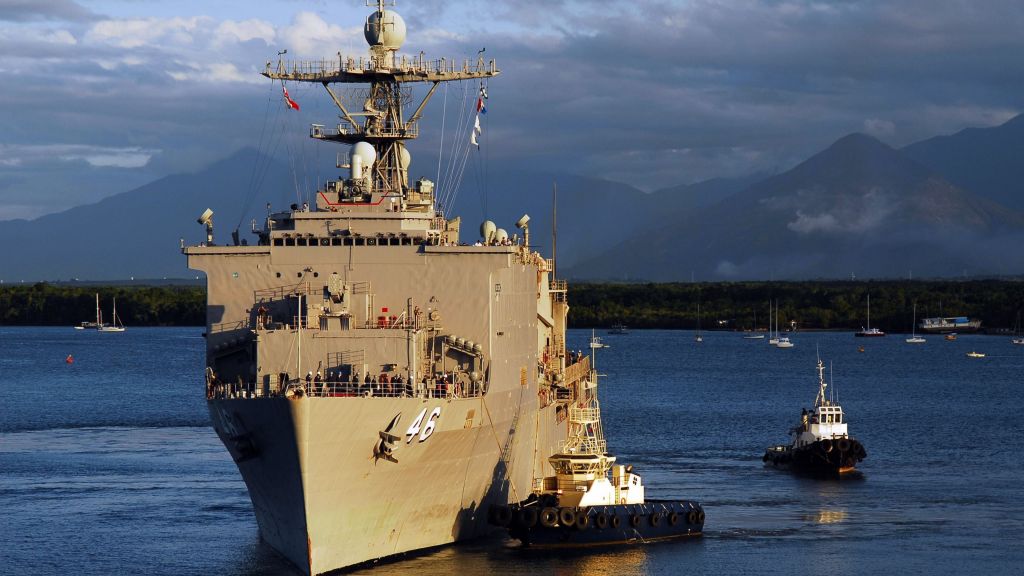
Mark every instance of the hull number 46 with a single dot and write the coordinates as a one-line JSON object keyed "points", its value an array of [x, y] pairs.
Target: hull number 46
{"points": [[420, 428]]}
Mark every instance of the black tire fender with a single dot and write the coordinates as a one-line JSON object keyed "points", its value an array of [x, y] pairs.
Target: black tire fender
{"points": [[582, 520], [549, 517], [566, 516]]}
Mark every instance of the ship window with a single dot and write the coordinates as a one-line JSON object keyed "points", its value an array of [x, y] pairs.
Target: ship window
{"points": [[302, 242], [360, 241], [298, 274], [348, 241], [278, 242], [316, 274], [371, 241], [278, 274], [289, 241], [406, 241], [335, 241]]}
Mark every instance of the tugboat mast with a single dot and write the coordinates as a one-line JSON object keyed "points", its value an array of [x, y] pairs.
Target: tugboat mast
{"points": [[378, 161]]}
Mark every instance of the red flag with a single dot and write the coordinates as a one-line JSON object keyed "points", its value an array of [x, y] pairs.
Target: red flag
{"points": [[287, 99]]}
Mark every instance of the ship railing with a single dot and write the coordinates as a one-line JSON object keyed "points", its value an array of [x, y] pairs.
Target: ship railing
{"points": [[228, 326], [586, 445], [387, 131], [280, 292], [404, 64], [578, 371], [343, 389]]}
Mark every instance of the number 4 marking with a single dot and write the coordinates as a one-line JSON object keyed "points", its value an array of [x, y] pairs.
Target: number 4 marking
{"points": [[427, 429]]}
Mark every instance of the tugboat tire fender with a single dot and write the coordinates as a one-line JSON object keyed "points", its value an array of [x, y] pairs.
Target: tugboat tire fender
{"points": [[700, 517], [615, 522], [502, 515], [566, 516], [692, 517], [655, 519], [673, 518], [582, 520], [548, 517], [843, 444], [634, 520], [601, 520], [827, 446], [527, 517]]}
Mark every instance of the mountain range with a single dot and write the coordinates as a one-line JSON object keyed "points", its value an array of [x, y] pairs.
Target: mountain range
{"points": [[941, 207]]}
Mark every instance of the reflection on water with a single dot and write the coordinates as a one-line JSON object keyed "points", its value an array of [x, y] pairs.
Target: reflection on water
{"points": [[827, 517]]}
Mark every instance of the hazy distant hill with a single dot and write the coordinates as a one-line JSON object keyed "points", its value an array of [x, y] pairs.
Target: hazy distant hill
{"points": [[987, 161], [593, 215], [858, 207], [137, 233]]}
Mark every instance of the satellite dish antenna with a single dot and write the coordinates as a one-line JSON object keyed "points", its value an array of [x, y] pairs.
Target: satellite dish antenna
{"points": [[206, 219]]}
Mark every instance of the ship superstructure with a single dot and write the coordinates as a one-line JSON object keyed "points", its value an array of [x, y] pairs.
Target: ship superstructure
{"points": [[379, 382]]}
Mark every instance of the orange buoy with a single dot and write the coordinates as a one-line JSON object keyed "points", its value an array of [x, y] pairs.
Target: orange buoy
{"points": [[69, 360]]}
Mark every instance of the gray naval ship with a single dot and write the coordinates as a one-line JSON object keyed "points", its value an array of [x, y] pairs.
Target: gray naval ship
{"points": [[380, 381]]}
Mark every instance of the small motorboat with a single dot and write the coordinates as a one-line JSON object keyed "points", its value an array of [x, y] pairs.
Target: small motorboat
{"points": [[973, 354], [951, 337]]}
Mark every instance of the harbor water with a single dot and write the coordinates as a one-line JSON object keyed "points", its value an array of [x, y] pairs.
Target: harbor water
{"points": [[108, 465]]}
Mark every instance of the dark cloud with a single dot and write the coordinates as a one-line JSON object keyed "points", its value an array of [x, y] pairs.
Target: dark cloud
{"points": [[31, 10], [653, 94]]}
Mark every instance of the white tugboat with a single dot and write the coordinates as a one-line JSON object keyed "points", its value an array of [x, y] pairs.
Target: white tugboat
{"points": [[822, 444], [580, 505]]}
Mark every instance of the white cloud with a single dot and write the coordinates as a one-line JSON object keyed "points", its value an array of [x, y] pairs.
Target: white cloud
{"points": [[879, 128], [310, 36], [230, 31], [807, 223], [97, 156], [216, 72], [136, 33]]}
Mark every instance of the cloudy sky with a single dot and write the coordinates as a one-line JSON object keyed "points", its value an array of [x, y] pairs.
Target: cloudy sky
{"points": [[103, 96]]}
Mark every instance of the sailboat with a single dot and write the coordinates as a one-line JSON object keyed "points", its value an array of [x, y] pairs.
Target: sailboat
{"points": [[754, 335], [869, 332], [92, 325], [1017, 338], [773, 336], [780, 340], [914, 338], [115, 325]]}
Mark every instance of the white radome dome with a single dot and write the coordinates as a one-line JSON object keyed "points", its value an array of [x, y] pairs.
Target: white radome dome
{"points": [[391, 35], [404, 158], [366, 153]]}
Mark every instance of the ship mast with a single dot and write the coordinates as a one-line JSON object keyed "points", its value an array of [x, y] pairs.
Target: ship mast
{"points": [[378, 161]]}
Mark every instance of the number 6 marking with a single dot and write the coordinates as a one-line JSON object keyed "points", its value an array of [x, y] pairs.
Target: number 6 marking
{"points": [[427, 429]]}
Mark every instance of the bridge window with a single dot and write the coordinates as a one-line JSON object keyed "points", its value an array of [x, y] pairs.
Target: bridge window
{"points": [[278, 241]]}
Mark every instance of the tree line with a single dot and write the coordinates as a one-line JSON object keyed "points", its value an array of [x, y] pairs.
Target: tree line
{"points": [[45, 304], [810, 305]]}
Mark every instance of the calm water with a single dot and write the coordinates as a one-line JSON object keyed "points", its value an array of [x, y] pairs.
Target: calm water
{"points": [[107, 465]]}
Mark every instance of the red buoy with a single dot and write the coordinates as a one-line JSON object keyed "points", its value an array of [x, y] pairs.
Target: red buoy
{"points": [[69, 360]]}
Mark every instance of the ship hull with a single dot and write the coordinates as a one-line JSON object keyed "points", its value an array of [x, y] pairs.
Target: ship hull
{"points": [[822, 458], [603, 525], [325, 499]]}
